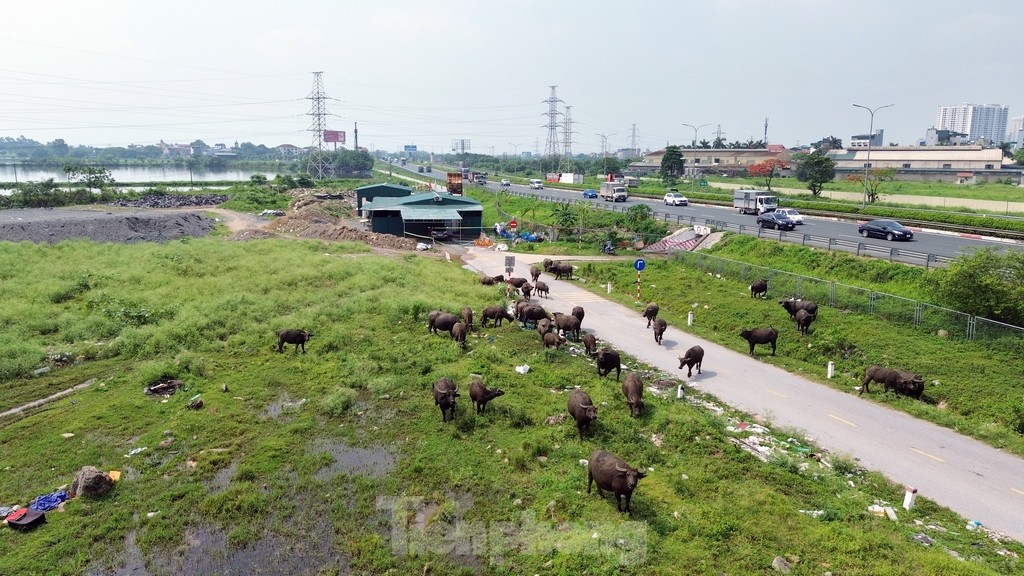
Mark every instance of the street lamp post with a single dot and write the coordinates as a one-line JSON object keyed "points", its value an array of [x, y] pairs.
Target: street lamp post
{"points": [[515, 155], [694, 146], [871, 136], [604, 148]]}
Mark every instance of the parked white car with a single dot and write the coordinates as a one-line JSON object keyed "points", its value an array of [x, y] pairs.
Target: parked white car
{"points": [[792, 214]]}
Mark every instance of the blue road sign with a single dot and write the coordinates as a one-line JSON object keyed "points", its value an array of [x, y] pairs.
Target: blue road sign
{"points": [[639, 264]]}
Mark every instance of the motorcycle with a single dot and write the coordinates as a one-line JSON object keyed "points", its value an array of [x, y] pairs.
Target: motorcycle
{"points": [[608, 248]]}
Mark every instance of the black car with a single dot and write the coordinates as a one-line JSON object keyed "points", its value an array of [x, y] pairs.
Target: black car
{"points": [[888, 229], [776, 220], [440, 234]]}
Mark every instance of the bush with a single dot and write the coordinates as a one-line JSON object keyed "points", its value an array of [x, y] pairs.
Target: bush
{"points": [[338, 402]]}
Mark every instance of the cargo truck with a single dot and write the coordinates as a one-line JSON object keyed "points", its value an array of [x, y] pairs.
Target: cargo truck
{"points": [[613, 191], [454, 183], [754, 202]]}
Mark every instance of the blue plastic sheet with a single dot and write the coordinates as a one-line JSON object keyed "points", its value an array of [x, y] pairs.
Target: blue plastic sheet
{"points": [[48, 502]]}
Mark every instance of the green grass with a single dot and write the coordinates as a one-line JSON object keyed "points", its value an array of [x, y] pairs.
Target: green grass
{"points": [[250, 464]]}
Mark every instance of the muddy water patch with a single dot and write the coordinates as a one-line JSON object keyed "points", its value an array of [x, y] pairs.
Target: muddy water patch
{"points": [[374, 462], [285, 405], [129, 561]]}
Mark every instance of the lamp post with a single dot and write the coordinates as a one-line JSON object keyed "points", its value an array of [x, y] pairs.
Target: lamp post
{"points": [[871, 136], [694, 146], [604, 148], [515, 155]]}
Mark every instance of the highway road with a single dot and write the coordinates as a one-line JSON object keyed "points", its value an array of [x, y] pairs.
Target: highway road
{"points": [[942, 244], [975, 480]]}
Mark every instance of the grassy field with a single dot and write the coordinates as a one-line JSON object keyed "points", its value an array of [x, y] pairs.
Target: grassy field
{"points": [[336, 461]]}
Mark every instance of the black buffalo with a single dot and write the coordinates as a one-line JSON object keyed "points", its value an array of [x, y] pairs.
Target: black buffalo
{"points": [[297, 337], [760, 336], [613, 474], [606, 360], [582, 409], [693, 357]]}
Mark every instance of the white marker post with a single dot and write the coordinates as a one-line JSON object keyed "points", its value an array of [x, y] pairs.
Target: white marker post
{"points": [[831, 369], [909, 497]]}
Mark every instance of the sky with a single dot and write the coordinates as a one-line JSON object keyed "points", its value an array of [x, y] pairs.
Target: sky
{"points": [[121, 72]]}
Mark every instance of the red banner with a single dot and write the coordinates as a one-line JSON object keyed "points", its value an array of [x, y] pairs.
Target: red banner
{"points": [[334, 136]]}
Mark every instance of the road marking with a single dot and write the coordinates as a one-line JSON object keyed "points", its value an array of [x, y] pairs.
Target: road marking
{"points": [[842, 420], [776, 392], [927, 454], [1018, 491]]}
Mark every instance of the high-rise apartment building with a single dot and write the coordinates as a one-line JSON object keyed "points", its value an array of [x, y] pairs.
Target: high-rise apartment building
{"points": [[1016, 133], [986, 121]]}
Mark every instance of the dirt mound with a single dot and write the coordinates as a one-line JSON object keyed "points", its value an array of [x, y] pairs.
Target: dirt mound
{"points": [[52, 226], [319, 219]]}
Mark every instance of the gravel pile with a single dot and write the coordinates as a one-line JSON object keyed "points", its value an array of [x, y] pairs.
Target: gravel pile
{"points": [[172, 201], [57, 225]]}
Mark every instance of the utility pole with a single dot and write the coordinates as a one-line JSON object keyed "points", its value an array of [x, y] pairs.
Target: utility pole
{"points": [[319, 164], [632, 142], [766, 132], [355, 134]]}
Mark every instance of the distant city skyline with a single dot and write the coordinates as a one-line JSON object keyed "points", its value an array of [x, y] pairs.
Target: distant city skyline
{"points": [[105, 73]]}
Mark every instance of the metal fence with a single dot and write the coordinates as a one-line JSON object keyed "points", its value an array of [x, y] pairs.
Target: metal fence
{"points": [[896, 309]]}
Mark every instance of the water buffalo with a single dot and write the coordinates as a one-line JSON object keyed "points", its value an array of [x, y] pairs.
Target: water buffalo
{"points": [[606, 360], [535, 274], [651, 312], [297, 337], [693, 357], [547, 263], [481, 395], [613, 474], [544, 326], [517, 282], [760, 336], [659, 329], [560, 269], [582, 409], [495, 313], [759, 289], [793, 304], [590, 343], [492, 280], [541, 288], [459, 333], [526, 289], [899, 381], [578, 312], [467, 317], [552, 340], [532, 313], [568, 324], [633, 390], [445, 392], [803, 320], [444, 321]]}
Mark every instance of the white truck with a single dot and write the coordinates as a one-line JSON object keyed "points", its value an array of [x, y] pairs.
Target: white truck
{"points": [[613, 191], [754, 201]]}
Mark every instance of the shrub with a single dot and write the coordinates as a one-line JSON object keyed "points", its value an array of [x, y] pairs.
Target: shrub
{"points": [[339, 401]]}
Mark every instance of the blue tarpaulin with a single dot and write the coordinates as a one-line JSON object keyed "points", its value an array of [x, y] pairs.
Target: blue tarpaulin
{"points": [[48, 502]]}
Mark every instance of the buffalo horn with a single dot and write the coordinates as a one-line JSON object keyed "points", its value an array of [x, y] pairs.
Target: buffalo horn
{"points": [[621, 468]]}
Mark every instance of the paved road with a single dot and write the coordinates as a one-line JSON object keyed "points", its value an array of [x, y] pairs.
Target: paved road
{"points": [[977, 481]]}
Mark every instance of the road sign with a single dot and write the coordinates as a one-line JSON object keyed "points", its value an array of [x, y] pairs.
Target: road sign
{"points": [[703, 183], [510, 261], [410, 147], [512, 224], [639, 264]]}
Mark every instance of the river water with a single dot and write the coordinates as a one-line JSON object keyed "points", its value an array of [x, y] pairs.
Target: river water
{"points": [[10, 173]]}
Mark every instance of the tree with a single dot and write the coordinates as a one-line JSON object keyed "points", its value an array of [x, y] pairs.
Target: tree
{"points": [[985, 283], [828, 143], [91, 176], [258, 180], [672, 163], [816, 169], [875, 178], [768, 169], [1018, 157], [564, 216], [1006, 147], [583, 212], [637, 217]]}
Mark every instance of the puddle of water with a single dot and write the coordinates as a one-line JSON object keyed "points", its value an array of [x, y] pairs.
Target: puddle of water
{"points": [[223, 478], [375, 462], [284, 405], [131, 561]]}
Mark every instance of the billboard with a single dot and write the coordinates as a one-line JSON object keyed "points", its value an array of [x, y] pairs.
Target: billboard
{"points": [[410, 147], [334, 136]]}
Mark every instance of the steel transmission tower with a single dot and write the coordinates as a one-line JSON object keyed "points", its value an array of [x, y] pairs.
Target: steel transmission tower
{"points": [[551, 147], [632, 142], [564, 165], [319, 166]]}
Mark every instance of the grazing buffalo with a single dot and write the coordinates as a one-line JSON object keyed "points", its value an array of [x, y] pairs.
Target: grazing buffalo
{"points": [[297, 337], [633, 390], [560, 269], [793, 304], [532, 313], [606, 360], [899, 381], [803, 320], [443, 321], [535, 274], [544, 326], [445, 392], [760, 336], [552, 340], [517, 282], [590, 343], [519, 305], [496, 314], [547, 263], [578, 312], [481, 395], [693, 357], [651, 312], [568, 324], [492, 280], [526, 289], [582, 410], [613, 474], [541, 288], [759, 289], [659, 329], [459, 333], [467, 317]]}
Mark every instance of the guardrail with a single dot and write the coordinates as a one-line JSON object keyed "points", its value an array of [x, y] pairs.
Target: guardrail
{"points": [[893, 253]]}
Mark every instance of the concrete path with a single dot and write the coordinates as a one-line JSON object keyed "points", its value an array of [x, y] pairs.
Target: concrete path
{"points": [[975, 480]]}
